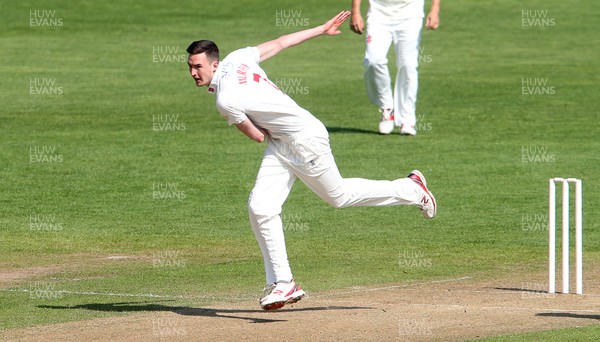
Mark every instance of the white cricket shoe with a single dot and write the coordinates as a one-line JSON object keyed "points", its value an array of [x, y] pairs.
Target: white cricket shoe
{"points": [[386, 125], [407, 130], [276, 295], [426, 203]]}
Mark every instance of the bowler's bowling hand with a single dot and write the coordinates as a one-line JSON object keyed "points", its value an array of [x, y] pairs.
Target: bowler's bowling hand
{"points": [[330, 28]]}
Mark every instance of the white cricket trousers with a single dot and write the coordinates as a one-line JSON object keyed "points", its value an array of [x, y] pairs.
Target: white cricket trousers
{"points": [[309, 159], [405, 35]]}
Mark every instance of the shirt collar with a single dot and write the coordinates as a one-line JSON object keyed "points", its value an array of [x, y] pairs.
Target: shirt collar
{"points": [[212, 87]]}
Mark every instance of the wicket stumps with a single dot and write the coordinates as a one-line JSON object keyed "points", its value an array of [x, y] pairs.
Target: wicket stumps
{"points": [[565, 235]]}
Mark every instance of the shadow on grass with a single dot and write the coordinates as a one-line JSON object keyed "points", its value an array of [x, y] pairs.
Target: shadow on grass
{"points": [[189, 311], [568, 315], [351, 130]]}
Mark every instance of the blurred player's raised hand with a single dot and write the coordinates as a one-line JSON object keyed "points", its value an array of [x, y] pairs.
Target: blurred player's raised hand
{"points": [[356, 23], [432, 22], [330, 28]]}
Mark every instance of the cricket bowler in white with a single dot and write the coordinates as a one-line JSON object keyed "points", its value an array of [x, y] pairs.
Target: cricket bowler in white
{"points": [[297, 147], [398, 22]]}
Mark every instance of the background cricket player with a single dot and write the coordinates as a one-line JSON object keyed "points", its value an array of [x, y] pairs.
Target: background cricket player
{"points": [[398, 22], [297, 147]]}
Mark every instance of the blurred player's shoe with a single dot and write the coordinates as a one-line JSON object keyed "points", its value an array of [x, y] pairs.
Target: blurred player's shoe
{"points": [[407, 130], [426, 203], [276, 295], [386, 125]]}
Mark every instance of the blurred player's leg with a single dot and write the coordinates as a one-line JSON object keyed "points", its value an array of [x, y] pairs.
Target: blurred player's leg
{"points": [[407, 37], [377, 76], [273, 184]]}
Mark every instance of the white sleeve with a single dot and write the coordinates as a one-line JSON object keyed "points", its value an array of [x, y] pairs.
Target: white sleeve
{"points": [[231, 110], [255, 54]]}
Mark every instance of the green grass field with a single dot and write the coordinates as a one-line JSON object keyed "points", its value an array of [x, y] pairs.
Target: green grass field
{"points": [[108, 149]]}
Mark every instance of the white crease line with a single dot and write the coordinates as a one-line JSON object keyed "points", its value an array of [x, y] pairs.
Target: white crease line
{"points": [[396, 286], [141, 295]]}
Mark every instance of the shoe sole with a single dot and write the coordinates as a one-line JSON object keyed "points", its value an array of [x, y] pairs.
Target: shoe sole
{"points": [[294, 298], [423, 184]]}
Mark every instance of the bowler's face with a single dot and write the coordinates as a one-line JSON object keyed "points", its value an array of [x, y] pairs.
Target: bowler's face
{"points": [[201, 69]]}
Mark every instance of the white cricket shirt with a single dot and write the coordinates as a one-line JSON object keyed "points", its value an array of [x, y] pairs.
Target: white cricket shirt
{"points": [[390, 10], [243, 91]]}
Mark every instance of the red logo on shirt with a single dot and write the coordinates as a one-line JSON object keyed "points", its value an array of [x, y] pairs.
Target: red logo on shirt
{"points": [[241, 73], [258, 77], [369, 39]]}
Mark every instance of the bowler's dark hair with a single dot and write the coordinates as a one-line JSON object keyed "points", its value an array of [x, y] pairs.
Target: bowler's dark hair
{"points": [[204, 46]]}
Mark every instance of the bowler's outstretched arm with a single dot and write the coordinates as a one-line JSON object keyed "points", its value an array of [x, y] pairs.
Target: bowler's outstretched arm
{"points": [[330, 28]]}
